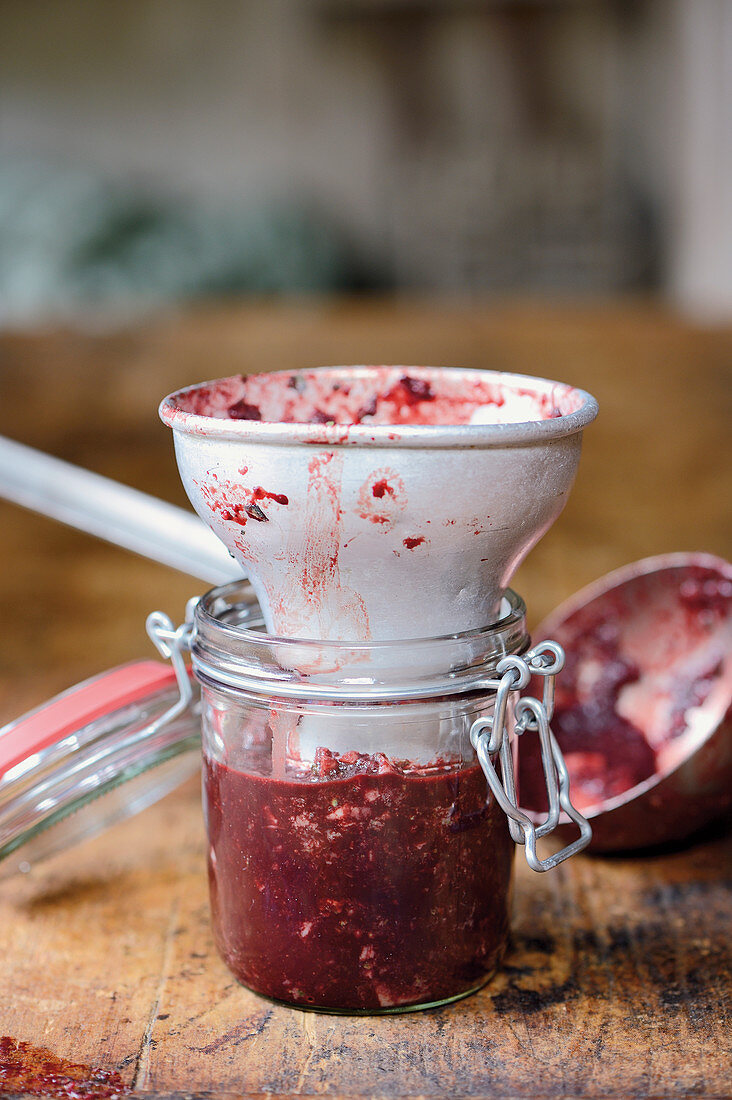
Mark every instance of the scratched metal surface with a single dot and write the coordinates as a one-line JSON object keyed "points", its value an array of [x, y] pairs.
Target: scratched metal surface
{"points": [[618, 981]]}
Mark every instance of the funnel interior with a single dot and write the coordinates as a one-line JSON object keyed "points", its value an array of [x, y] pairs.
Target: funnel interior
{"points": [[379, 396]]}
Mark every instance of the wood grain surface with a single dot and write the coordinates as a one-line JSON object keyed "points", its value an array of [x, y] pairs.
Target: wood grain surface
{"points": [[618, 981]]}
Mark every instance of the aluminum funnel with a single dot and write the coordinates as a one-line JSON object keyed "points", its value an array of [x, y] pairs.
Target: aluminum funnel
{"points": [[374, 503]]}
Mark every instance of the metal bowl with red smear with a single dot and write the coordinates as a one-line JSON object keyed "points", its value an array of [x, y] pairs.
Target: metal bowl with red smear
{"points": [[643, 708]]}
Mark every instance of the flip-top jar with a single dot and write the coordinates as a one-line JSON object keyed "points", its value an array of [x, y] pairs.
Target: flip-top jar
{"points": [[357, 859]]}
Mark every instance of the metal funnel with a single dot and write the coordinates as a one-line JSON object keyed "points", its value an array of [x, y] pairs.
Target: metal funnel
{"points": [[375, 503]]}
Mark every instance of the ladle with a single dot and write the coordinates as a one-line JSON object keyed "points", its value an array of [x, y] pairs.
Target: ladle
{"points": [[114, 512]]}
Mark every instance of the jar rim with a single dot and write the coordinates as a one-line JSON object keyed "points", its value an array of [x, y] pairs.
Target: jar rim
{"points": [[230, 649]]}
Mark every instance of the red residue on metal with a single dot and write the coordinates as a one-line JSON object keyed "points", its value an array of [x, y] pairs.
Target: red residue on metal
{"points": [[334, 434], [199, 400], [236, 503], [317, 465], [34, 1071], [224, 500], [242, 410], [236, 514], [381, 498], [378, 396], [263, 494], [204, 400], [381, 488], [410, 543], [643, 704], [314, 592], [320, 417], [410, 391], [367, 410]]}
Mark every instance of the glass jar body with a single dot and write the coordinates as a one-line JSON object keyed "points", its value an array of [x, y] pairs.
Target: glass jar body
{"points": [[357, 861], [353, 881]]}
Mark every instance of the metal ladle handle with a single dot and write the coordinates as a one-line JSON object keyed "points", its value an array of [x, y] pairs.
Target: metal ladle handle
{"points": [[491, 735], [112, 511]]}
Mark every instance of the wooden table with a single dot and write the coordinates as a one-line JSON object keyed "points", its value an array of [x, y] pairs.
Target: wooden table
{"points": [[618, 982]]}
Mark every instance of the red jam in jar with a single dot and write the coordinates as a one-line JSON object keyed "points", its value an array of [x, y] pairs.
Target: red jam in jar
{"points": [[371, 887], [358, 862]]}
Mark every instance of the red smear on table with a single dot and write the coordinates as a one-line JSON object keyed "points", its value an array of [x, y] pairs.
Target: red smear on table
{"points": [[35, 1071]]}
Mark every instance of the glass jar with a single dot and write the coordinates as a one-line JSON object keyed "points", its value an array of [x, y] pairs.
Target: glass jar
{"points": [[357, 860]]}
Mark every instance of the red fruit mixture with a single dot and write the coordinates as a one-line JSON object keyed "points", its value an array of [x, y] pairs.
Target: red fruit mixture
{"points": [[364, 884]]}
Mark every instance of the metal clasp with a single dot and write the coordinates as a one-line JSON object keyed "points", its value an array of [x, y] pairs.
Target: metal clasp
{"points": [[491, 735], [171, 642]]}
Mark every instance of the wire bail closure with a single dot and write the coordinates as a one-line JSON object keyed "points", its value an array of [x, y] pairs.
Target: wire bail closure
{"points": [[491, 735], [171, 642]]}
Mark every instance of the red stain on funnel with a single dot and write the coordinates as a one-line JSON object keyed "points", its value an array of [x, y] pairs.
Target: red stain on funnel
{"points": [[382, 498], [241, 410], [381, 488], [263, 494], [408, 393], [236, 503], [376, 395], [314, 586]]}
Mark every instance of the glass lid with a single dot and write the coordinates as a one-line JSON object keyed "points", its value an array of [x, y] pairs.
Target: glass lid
{"points": [[94, 755]]}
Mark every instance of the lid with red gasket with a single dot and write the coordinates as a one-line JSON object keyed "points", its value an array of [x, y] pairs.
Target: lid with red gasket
{"points": [[94, 755]]}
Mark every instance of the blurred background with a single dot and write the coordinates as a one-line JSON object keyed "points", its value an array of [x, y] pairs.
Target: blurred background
{"points": [[161, 151], [194, 188]]}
